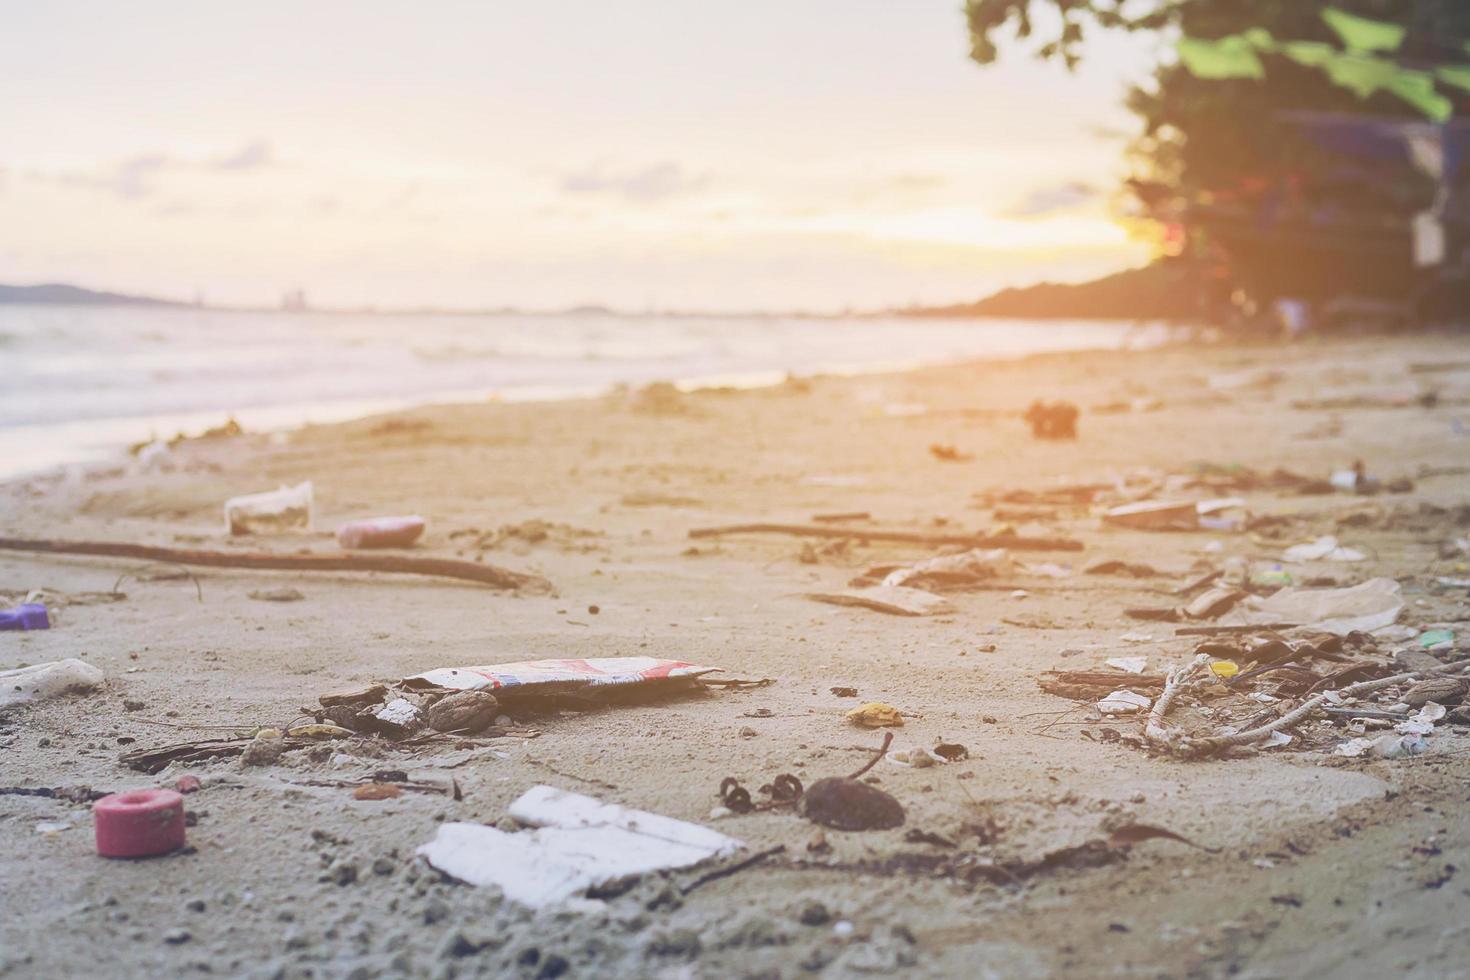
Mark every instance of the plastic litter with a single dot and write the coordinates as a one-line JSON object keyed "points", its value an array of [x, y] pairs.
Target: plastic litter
{"points": [[1057, 420], [155, 457], [1422, 723], [1436, 639], [545, 676], [1154, 515], [1355, 480], [1383, 747], [1133, 665], [1369, 606], [381, 532], [47, 680], [1124, 702], [139, 823], [1324, 548], [580, 843], [915, 758], [967, 566], [285, 509], [26, 616], [1165, 515], [876, 714]]}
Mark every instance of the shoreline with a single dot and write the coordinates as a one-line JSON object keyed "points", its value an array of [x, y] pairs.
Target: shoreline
{"points": [[101, 441]]}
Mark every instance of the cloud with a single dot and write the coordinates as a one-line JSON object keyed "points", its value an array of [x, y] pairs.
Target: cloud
{"points": [[252, 156], [1049, 200], [175, 209], [917, 182], [131, 180], [137, 177], [648, 185]]}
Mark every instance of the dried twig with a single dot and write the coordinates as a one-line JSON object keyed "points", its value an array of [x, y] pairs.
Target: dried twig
{"points": [[882, 751], [731, 869], [542, 764], [1175, 740], [501, 578], [1013, 541]]}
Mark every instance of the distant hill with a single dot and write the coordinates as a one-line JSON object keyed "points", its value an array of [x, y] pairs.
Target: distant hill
{"points": [[60, 293], [1160, 291]]}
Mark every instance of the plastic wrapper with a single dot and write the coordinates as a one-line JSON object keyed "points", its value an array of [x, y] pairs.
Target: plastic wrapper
{"points": [[285, 509], [549, 676]]}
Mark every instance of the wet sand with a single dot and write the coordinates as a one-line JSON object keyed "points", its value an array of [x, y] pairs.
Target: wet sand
{"points": [[1326, 866]]}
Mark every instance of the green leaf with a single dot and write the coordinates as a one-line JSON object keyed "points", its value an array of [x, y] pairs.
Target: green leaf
{"points": [[1417, 89], [1359, 73], [1230, 57], [1456, 75], [1313, 54], [1362, 34], [1259, 38]]}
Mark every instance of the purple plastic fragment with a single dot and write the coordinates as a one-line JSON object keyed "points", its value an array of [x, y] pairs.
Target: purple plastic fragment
{"points": [[26, 616]]}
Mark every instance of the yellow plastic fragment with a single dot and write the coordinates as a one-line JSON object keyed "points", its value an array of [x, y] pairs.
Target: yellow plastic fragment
{"points": [[1225, 668], [876, 714]]}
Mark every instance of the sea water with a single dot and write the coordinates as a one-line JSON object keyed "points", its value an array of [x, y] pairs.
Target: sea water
{"points": [[78, 383]]}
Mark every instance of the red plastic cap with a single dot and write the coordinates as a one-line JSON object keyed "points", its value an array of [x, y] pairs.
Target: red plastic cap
{"points": [[139, 823]]}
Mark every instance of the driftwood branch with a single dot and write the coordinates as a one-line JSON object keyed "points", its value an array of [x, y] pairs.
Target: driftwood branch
{"points": [[1013, 541], [1175, 740], [492, 575]]}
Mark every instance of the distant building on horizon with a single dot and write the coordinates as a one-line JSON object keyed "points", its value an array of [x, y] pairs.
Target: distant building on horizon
{"points": [[294, 301]]}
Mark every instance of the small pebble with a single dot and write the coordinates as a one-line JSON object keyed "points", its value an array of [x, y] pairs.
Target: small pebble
{"points": [[814, 914], [176, 936]]}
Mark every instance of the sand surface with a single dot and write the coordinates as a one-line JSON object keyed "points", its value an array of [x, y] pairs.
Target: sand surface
{"points": [[1325, 866]]}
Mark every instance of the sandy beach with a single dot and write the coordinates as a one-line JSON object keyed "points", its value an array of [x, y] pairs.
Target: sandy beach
{"points": [[1317, 864]]}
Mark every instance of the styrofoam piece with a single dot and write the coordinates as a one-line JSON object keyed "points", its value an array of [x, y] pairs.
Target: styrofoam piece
{"points": [[579, 843], [1124, 702], [47, 680]]}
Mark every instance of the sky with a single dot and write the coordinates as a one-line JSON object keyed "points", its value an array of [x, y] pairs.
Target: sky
{"points": [[644, 154]]}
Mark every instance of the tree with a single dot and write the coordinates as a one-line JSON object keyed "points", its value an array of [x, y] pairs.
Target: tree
{"points": [[1220, 127]]}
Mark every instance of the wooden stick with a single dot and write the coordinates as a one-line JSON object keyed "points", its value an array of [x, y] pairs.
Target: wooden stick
{"points": [[492, 575], [1012, 541]]}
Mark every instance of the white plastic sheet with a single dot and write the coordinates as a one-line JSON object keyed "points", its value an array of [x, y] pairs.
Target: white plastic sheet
{"points": [[47, 680], [1369, 606], [559, 675], [580, 843]]}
